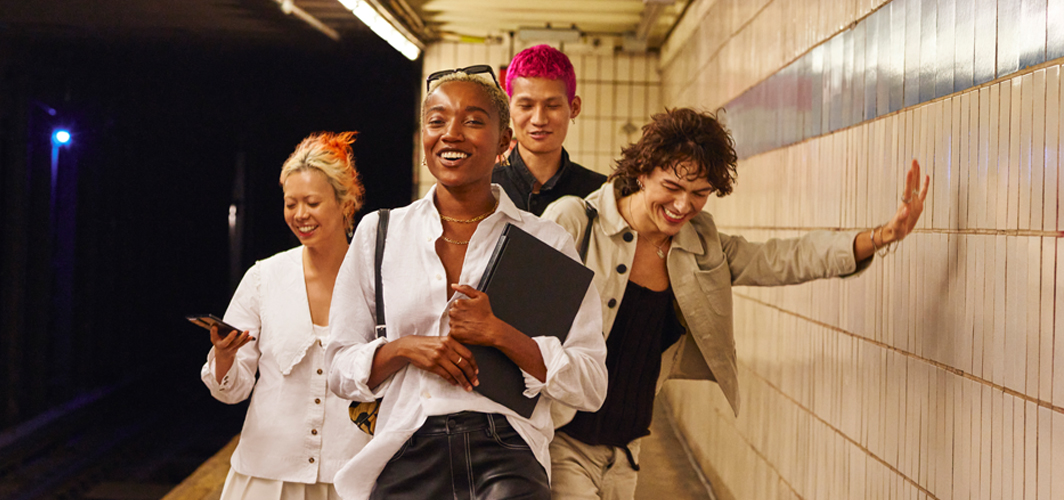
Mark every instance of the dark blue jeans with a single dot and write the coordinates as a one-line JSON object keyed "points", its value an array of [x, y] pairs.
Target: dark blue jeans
{"points": [[463, 456]]}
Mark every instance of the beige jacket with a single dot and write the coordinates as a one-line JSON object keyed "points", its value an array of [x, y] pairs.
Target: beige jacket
{"points": [[703, 266]]}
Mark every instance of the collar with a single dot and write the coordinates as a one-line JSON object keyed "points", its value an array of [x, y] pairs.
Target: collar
{"points": [[518, 167], [290, 347], [605, 201]]}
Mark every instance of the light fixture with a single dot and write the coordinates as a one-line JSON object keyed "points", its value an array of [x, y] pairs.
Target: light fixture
{"points": [[548, 34], [369, 13], [61, 137], [652, 10], [290, 8]]}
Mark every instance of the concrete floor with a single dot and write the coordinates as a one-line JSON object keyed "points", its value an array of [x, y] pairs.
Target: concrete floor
{"points": [[665, 469]]}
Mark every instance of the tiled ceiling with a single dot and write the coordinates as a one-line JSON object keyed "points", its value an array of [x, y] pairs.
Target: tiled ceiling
{"points": [[596, 18]]}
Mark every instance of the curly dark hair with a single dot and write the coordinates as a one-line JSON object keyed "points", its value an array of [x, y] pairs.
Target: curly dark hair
{"points": [[676, 136]]}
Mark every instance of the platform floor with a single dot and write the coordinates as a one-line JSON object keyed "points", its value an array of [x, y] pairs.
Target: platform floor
{"points": [[666, 470]]}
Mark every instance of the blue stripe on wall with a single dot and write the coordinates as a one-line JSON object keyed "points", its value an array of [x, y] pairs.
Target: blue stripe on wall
{"points": [[905, 53]]}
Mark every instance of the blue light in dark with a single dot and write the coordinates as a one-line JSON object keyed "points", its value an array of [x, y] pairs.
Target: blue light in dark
{"points": [[61, 137]]}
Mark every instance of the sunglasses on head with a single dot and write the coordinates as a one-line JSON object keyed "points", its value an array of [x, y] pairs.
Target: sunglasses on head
{"points": [[469, 70]]}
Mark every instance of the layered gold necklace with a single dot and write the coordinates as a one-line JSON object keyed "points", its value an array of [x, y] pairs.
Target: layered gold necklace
{"points": [[476, 219]]}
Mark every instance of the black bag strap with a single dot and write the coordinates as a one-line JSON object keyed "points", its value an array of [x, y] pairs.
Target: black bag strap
{"points": [[586, 240], [378, 258]]}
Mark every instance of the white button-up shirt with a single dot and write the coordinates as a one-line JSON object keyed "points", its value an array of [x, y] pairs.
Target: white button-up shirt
{"points": [[415, 296], [296, 429]]}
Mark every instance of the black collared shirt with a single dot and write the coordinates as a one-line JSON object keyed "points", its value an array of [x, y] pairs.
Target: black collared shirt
{"points": [[570, 179]]}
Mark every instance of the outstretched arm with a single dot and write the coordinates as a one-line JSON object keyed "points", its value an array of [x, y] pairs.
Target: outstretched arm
{"points": [[912, 205]]}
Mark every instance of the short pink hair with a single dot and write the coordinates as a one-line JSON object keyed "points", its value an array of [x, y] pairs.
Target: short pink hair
{"points": [[542, 61]]}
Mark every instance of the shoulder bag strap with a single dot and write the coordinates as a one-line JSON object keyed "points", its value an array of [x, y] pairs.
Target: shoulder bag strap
{"points": [[586, 240], [382, 234]]}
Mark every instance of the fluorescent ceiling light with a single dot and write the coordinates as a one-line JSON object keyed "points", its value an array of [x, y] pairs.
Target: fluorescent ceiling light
{"points": [[384, 29]]}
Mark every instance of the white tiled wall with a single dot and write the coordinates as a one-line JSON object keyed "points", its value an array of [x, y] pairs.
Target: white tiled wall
{"points": [[616, 90], [938, 373]]}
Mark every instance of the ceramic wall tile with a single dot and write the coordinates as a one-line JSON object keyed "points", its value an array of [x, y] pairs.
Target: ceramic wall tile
{"points": [[1017, 179], [1004, 170], [963, 44], [1030, 452], [1045, 343], [986, 439], [1009, 36], [928, 39], [1032, 43], [1054, 29], [1038, 153], [1051, 149], [1026, 173], [1034, 317], [1015, 354]]}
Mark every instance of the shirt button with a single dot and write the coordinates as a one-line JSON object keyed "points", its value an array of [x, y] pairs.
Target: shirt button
{"points": [[622, 268], [319, 371], [628, 236], [426, 395], [314, 432], [317, 401], [438, 277], [612, 303], [311, 460]]}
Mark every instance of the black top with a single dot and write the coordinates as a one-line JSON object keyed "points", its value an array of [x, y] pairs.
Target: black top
{"points": [[570, 179], [645, 327]]}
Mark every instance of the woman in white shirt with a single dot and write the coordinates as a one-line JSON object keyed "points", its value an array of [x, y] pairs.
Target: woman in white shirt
{"points": [[436, 437], [297, 433]]}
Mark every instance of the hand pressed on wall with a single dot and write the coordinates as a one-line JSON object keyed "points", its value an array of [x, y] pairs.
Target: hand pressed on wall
{"points": [[912, 205]]}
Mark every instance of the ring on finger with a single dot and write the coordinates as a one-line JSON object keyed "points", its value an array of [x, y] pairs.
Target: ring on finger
{"points": [[906, 200], [460, 359]]}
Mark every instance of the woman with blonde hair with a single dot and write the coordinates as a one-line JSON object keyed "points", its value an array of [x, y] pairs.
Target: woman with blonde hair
{"points": [[297, 433]]}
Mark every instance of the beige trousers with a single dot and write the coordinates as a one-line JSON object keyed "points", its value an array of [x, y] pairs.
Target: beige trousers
{"points": [[582, 471]]}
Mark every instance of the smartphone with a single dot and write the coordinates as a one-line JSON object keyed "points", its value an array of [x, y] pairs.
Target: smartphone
{"points": [[209, 320]]}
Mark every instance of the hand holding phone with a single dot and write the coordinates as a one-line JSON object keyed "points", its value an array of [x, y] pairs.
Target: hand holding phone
{"points": [[209, 320], [224, 355]]}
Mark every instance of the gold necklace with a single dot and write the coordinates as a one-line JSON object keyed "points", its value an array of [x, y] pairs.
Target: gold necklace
{"points": [[474, 219], [454, 242], [660, 252]]}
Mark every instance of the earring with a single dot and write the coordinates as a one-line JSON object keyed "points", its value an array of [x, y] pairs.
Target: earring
{"points": [[504, 160], [423, 164], [573, 120], [640, 182]]}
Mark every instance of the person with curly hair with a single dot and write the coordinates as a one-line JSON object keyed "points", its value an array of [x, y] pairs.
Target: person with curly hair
{"points": [[665, 273], [297, 433]]}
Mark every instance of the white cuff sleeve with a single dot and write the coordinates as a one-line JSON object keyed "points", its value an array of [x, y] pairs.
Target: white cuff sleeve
{"points": [[351, 370], [553, 357]]}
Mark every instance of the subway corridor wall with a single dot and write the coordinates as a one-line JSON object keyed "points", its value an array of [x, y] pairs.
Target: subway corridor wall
{"points": [[939, 372]]}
